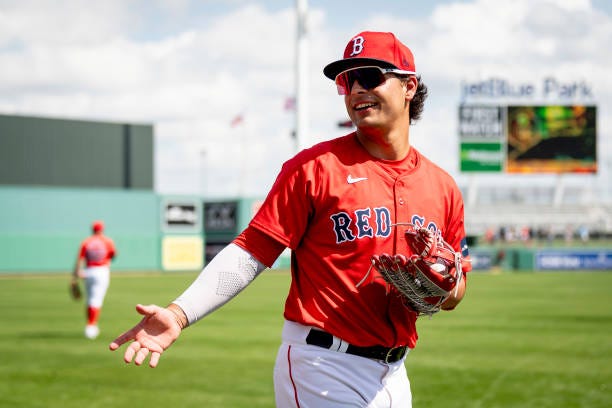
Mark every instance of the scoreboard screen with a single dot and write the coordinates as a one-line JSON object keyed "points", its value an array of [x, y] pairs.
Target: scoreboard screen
{"points": [[551, 139], [528, 139]]}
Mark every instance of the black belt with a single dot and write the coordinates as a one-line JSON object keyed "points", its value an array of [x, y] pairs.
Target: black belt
{"points": [[386, 354]]}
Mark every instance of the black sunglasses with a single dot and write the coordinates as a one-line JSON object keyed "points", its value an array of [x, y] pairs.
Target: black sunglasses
{"points": [[368, 77]]}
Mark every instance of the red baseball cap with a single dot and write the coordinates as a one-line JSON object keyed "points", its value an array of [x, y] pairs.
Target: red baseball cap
{"points": [[97, 226], [373, 48]]}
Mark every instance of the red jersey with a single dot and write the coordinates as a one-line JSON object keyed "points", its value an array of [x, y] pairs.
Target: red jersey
{"points": [[335, 206], [97, 250]]}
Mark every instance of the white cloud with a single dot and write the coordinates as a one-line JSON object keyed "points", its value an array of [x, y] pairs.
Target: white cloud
{"points": [[96, 61], [32, 22]]}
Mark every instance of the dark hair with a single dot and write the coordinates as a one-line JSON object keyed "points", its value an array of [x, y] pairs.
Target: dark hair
{"points": [[418, 101]]}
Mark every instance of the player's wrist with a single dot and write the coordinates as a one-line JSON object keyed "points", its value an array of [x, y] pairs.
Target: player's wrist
{"points": [[179, 315]]}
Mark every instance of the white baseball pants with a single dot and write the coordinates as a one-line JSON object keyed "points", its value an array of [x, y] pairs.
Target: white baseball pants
{"points": [[308, 376], [97, 279]]}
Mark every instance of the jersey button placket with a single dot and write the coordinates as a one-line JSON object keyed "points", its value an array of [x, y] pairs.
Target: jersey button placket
{"points": [[399, 211], [399, 192]]}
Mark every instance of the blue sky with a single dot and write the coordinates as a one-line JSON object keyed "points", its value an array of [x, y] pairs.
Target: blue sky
{"points": [[191, 67], [346, 13], [192, 14]]}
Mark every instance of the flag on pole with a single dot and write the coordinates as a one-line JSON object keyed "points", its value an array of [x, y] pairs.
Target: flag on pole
{"points": [[238, 119], [290, 103]]}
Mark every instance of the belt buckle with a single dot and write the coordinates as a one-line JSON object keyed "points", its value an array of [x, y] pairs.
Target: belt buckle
{"points": [[391, 354]]}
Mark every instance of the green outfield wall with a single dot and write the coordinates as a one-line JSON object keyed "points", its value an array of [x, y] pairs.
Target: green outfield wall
{"points": [[41, 228]]}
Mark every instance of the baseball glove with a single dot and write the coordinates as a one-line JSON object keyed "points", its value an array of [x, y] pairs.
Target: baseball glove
{"points": [[75, 290], [426, 278]]}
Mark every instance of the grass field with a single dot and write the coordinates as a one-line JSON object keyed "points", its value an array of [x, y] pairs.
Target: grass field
{"points": [[518, 340]]}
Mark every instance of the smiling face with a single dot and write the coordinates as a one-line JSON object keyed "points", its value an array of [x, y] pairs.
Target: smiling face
{"points": [[381, 109]]}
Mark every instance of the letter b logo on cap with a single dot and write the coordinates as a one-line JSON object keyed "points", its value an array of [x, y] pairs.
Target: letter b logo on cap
{"points": [[357, 45]]}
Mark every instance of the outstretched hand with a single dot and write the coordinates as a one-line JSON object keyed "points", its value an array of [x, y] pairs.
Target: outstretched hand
{"points": [[157, 330]]}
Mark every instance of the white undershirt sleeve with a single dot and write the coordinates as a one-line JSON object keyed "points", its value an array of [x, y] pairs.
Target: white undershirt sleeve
{"points": [[229, 272]]}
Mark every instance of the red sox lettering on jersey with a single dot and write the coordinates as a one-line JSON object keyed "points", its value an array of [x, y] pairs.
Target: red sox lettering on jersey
{"points": [[362, 224], [347, 229]]}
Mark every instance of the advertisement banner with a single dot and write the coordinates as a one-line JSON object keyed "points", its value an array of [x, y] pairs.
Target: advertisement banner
{"points": [[221, 217], [480, 123], [574, 260], [482, 138], [181, 215], [182, 252], [482, 157]]}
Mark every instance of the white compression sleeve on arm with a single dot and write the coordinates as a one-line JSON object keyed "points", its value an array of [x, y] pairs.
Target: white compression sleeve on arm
{"points": [[229, 272]]}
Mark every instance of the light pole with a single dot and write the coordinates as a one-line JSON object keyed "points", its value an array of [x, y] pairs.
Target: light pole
{"points": [[203, 174], [301, 73]]}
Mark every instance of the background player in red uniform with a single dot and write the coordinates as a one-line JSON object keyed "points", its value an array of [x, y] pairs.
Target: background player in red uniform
{"points": [[335, 205], [96, 252]]}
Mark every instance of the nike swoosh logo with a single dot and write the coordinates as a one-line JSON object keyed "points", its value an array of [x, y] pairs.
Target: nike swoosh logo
{"points": [[352, 180]]}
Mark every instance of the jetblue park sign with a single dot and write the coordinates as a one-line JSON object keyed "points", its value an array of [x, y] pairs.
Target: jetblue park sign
{"points": [[548, 88]]}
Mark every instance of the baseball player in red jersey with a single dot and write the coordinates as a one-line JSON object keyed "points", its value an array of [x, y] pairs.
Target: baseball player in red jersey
{"points": [[96, 252], [335, 205]]}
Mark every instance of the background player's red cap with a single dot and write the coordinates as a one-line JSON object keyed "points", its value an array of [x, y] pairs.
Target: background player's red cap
{"points": [[373, 48], [97, 226]]}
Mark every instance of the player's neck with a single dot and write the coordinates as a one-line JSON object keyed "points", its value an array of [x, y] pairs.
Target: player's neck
{"points": [[392, 145]]}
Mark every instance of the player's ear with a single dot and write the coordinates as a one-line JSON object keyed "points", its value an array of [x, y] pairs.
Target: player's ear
{"points": [[410, 86]]}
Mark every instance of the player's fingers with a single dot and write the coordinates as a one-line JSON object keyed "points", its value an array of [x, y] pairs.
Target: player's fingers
{"points": [[141, 355], [123, 338], [154, 359], [131, 351], [147, 310], [130, 334]]}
